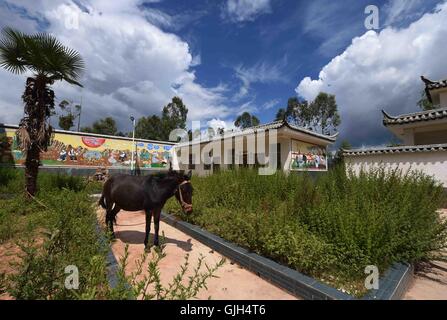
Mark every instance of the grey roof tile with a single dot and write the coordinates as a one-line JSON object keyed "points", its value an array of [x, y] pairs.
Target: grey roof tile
{"points": [[396, 150], [428, 115]]}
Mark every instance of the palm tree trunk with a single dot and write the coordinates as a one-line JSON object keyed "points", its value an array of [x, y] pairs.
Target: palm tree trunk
{"points": [[32, 170]]}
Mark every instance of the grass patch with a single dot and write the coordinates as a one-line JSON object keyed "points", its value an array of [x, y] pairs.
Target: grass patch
{"points": [[58, 230], [331, 227]]}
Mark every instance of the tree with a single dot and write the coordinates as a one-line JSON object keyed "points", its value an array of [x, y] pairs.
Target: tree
{"points": [[66, 121], [297, 112], [150, 128], [103, 126], [173, 116], [153, 127], [281, 115], [246, 120], [48, 61], [424, 103], [339, 157], [323, 113]]}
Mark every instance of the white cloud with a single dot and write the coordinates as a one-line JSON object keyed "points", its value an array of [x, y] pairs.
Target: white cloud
{"points": [[246, 10], [382, 70], [399, 10], [132, 66], [270, 104], [219, 123], [260, 72]]}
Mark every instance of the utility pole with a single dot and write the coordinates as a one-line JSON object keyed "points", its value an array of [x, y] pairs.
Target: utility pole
{"points": [[132, 166], [79, 115]]}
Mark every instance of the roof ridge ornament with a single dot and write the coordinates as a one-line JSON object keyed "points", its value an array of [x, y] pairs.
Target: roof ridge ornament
{"points": [[427, 81]]}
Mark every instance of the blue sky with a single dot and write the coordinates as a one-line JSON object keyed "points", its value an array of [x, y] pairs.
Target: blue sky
{"points": [[226, 57]]}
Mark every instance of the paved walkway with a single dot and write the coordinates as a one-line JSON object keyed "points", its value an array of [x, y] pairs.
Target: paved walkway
{"points": [[234, 282], [430, 281]]}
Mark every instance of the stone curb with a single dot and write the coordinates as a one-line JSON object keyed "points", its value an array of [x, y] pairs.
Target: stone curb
{"points": [[392, 285]]}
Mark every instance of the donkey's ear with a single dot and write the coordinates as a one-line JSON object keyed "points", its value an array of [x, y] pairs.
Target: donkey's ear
{"points": [[189, 175]]}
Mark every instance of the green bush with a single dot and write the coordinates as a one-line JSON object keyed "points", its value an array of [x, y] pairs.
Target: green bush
{"points": [[65, 224], [330, 227], [12, 182], [58, 228]]}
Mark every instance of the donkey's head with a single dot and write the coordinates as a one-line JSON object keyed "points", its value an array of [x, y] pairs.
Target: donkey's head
{"points": [[183, 192]]}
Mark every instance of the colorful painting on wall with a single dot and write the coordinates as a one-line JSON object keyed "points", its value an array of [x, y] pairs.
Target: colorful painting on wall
{"points": [[308, 157], [78, 150]]}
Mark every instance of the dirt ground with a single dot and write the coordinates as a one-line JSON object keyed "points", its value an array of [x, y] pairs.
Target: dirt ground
{"points": [[234, 282], [8, 254]]}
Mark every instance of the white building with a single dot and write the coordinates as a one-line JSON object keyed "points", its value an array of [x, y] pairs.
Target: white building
{"points": [[280, 145], [424, 137]]}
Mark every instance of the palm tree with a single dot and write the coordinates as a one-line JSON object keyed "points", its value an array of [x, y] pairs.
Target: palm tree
{"points": [[49, 61]]}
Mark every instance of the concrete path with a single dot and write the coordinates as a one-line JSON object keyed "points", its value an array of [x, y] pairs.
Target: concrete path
{"points": [[430, 281], [234, 282]]}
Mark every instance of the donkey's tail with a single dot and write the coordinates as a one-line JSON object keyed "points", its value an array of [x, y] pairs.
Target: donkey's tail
{"points": [[102, 202]]}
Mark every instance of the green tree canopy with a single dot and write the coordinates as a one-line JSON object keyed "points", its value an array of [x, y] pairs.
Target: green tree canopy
{"points": [[319, 115], [424, 103], [246, 120], [66, 119], [103, 126], [339, 157], [173, 116], [150, 128], [297, 112], [324, 113]]}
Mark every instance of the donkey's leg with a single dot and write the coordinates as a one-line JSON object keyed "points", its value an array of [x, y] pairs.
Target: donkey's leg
{"points": [[111, 218], [148, 227], [157, 213]]}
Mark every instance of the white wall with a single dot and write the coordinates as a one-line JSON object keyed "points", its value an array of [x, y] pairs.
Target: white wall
{"points": [[431, 163], [443, 99]]}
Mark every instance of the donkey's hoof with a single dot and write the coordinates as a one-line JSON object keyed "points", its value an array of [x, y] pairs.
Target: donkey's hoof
{"points": [[147, 249]]}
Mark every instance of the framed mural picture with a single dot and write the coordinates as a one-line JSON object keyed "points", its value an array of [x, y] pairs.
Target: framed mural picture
{"points": [[307, 157], [83, 149]]}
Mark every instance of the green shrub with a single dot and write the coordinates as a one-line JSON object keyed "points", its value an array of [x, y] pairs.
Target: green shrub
{"points": [[66, 224], [58, 228], [149, 286], [12, 182], [329, 227]]}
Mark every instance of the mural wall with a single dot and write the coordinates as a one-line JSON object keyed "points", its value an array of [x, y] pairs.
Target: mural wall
{"points": [[77, 150], [308, 157]]}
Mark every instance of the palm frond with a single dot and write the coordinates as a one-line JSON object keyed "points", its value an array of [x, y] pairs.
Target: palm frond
{"points": [[41, 53], [12, 47], [60, 62]]}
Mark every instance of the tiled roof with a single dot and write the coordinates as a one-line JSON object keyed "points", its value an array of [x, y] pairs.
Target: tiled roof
{"points": [[434, 114], [395, 150], [267, 126], [433, 85]]}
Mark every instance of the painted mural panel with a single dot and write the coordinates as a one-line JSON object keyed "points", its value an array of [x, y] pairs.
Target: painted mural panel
{"points": [[77, 150], [306, 156]]}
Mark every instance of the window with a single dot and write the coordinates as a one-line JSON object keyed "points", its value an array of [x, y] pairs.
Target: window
{"points": [[208, 166], [191, 162], [216, 164], [233, 160]]}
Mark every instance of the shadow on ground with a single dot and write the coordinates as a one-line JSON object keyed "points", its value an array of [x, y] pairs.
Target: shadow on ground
{"points": [[432, 271], [137, 237]]}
